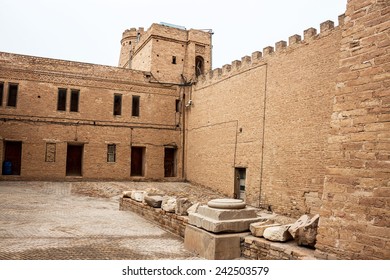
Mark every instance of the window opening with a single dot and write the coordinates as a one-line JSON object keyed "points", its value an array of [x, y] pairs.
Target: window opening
{"points": [[135, 106], [61, 100], [173, 59], [12, 95], [177, 105], [199, 66], [74, 100], [117, 104], [111, 153]]}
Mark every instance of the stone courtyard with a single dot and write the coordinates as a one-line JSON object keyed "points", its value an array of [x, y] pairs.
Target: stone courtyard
{"points": [[79, 221]]}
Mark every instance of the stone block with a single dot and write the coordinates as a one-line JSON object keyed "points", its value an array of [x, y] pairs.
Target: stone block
{"points": [[213, 246], [257, 229], [227, 214], [182, 205], [168, 204], [306, 235], [138, 195], [126, 194], [278, 233], [154, 201], [213, 225], [193, 208], [299, 223]]}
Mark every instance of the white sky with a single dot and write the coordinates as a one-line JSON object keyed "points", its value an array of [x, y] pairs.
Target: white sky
{"points": [[91, 30]]}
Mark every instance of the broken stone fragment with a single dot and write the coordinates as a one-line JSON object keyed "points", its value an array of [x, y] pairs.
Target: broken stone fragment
{"points": [[138, 195], [193, 208], [182, 205], [153, 192], [154, 201], [306, 235], [257, 229], [126, 194], [278, 233], [169, 204], [299, 223]]}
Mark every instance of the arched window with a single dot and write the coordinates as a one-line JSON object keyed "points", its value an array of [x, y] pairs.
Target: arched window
{"points": [[199, 66]]}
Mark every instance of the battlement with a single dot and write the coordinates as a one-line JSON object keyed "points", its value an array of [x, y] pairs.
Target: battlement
{"points": [[259, 58]]}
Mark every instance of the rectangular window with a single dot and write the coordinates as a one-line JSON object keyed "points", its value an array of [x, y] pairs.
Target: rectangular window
{"points": [[50, 152], [74, 100], [111, 153], [117, 104], [12, 95], [173, 59], [1, 93], [135, 106], [61, 100]]}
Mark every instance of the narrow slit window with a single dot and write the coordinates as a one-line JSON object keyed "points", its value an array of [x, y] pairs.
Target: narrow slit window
{"points": [[61, 100], [117, 104], [74, 100], [177, 105], [12, 95], [135, 106], [173, 59], [111, 153], [1, 93]]}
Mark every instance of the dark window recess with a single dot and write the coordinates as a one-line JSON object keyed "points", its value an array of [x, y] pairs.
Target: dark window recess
{"points": [[135, 106], [74, 100], [61, 101], [173, 59], [177, 105], [137, 161], [199, 66], [1, 93], [12, 95], [111, 153], [117, 105]]}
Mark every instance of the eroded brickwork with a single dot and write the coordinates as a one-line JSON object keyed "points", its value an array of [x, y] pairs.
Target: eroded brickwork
{"points": [[356, 199]]}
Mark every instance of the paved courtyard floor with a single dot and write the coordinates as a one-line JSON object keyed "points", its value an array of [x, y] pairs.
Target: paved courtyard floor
{"points": [[49, 221]]}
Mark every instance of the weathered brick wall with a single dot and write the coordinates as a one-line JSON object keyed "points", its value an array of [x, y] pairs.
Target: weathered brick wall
{"points": [[270, 115], [255, 248], [169, 221], [36, 121], [355, 214]]}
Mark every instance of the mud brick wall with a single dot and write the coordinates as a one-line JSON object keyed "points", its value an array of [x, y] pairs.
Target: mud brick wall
{"points": [[268, 113], [169, 221], [255, 248], [355, 216]]}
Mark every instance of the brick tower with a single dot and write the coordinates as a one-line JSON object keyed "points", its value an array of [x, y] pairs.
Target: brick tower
{"points": [[170, 53]]}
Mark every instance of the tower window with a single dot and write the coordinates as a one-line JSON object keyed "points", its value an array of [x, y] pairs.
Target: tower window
{"points": [[74, 100], [135, 106], [61, 99], [12, 95], [177, 105], [173, 59], [117, 104], [199, 66]]}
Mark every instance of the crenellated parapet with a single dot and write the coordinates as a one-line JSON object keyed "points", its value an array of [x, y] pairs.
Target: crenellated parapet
{"points": [[258, 58]]}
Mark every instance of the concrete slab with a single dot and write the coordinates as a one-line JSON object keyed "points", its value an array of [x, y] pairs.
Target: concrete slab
{"points": [[213, 246]]}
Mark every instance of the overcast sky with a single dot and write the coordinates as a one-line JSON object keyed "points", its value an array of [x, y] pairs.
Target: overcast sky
{"points": [[91, 30]]}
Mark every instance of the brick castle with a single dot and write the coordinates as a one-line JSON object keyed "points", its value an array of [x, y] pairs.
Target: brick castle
{"points": [[302, 127]]}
